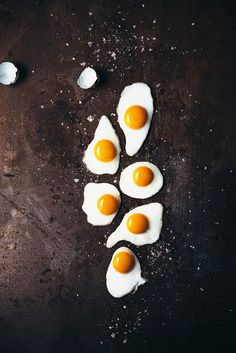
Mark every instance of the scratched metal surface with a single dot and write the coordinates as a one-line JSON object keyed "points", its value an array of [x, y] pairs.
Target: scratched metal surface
{"points": [[53, 297]]}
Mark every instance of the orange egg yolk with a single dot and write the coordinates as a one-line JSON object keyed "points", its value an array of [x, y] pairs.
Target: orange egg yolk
{"points": [[137, 223], [123, 262], [136, 117], [143, 176], [105, 150], [107, 204]]}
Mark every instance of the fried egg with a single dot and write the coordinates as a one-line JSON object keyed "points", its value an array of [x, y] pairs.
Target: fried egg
{"points": [[124, 273], [135, 110], [141, 180], [101, 203], [140, 226], [103, 153]]}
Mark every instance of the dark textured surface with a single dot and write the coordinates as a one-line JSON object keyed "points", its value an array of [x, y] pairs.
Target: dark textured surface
{"points": [[53, 297]]}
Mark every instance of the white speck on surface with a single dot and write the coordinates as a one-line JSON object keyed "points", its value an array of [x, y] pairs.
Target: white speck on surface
{"points": [[90, 118], [13, 212]]}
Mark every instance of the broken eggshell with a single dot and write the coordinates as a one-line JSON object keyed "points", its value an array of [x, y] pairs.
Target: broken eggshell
{"points": [[88, 78], [8, 73]]}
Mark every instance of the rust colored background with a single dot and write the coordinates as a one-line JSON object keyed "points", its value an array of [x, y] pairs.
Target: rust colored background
{"points": [[53, 297]]}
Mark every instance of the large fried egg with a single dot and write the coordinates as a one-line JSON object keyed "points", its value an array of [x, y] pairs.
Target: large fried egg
{"points": [[140, 226], [103, 153], [135, 110], [124, 273], [141, 180], [101, 203]]}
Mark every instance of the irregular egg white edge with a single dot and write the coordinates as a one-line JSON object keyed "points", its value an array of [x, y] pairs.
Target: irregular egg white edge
{"points": [[92, 192], [104, 130], [154, 212], [138, 93], [129, 188], [120, 284]]}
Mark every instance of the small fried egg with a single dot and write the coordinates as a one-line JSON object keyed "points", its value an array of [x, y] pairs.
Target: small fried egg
{"points": [[140, 226], [101, 203], [141, 180], [102, 155], [135, 110], [124, 273]]}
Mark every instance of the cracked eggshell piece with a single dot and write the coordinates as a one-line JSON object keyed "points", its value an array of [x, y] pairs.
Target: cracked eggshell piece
{"points": [[88, 78], [153, 213], [8, 73], [111, 149], [94, 194], [118, 283]]}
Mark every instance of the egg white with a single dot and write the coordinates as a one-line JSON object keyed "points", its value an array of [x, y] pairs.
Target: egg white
{"points": [[136, 94], [129, 188], [92, 193], [120, 284], [153, 211], [105, 131]]}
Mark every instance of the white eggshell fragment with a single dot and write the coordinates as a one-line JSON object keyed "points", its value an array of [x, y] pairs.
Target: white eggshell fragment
{"points": [[87, 78], [120, 284], [104, 131], [136, 94], [92, 193], [8, 73], [153, 212]]}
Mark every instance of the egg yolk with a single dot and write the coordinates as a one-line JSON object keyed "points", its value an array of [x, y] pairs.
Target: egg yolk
{"points": [[137, 223], [105, 150], [107, 204], [135, 117], [143, 176], [123, 262]]}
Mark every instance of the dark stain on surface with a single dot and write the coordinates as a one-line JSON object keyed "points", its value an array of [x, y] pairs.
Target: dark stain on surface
{"points": [[54, 131]]}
